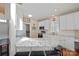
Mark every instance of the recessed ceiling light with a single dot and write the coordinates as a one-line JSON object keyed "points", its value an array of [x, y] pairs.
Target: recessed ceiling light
{"points": [[29, 15]]}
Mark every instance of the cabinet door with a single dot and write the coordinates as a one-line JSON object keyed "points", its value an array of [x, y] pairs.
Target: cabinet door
{"points": [[69, 43], [70, 21], [62, 22], [0, 50], [62, 42], [76, 20]]}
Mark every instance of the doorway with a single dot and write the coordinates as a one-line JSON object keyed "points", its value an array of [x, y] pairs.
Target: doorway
{"points": [[28, 30]]}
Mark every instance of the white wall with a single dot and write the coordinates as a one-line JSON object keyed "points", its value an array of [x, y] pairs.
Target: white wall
{"points": [[19, 14], [12, 30]]}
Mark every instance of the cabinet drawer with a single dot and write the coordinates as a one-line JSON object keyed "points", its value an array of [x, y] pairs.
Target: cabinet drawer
{"points": [[4, 48]]}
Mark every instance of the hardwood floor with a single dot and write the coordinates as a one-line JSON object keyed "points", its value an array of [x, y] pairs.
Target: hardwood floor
{"points": [[67, 52]]}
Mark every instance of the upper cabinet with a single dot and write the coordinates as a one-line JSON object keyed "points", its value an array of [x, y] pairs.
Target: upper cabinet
{"points": [[63, 22], [69, 21], [26, 20], [46, 24], [76, 20]]}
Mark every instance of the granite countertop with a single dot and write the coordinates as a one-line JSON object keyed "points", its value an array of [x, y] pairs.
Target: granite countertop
{"points": [[35, 42]]}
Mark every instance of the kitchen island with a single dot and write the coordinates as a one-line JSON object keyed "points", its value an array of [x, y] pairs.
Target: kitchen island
{"points": [[35, 44]]}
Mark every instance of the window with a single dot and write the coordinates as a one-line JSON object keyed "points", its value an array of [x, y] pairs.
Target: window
{"points": [[3, 21], [21, 24], [54, 26]]}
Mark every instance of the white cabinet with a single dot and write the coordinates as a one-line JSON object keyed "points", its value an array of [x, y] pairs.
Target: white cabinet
{"points": [[46, 24], [62, 22], [76, 20], [62, 41], [69, 43], [69, 21]]}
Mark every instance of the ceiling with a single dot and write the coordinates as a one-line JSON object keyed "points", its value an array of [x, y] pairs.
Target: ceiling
{"points": [[41, 10]]}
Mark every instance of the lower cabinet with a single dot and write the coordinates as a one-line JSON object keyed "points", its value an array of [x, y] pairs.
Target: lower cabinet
{"points": [[4, 50], [4, 47]]}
